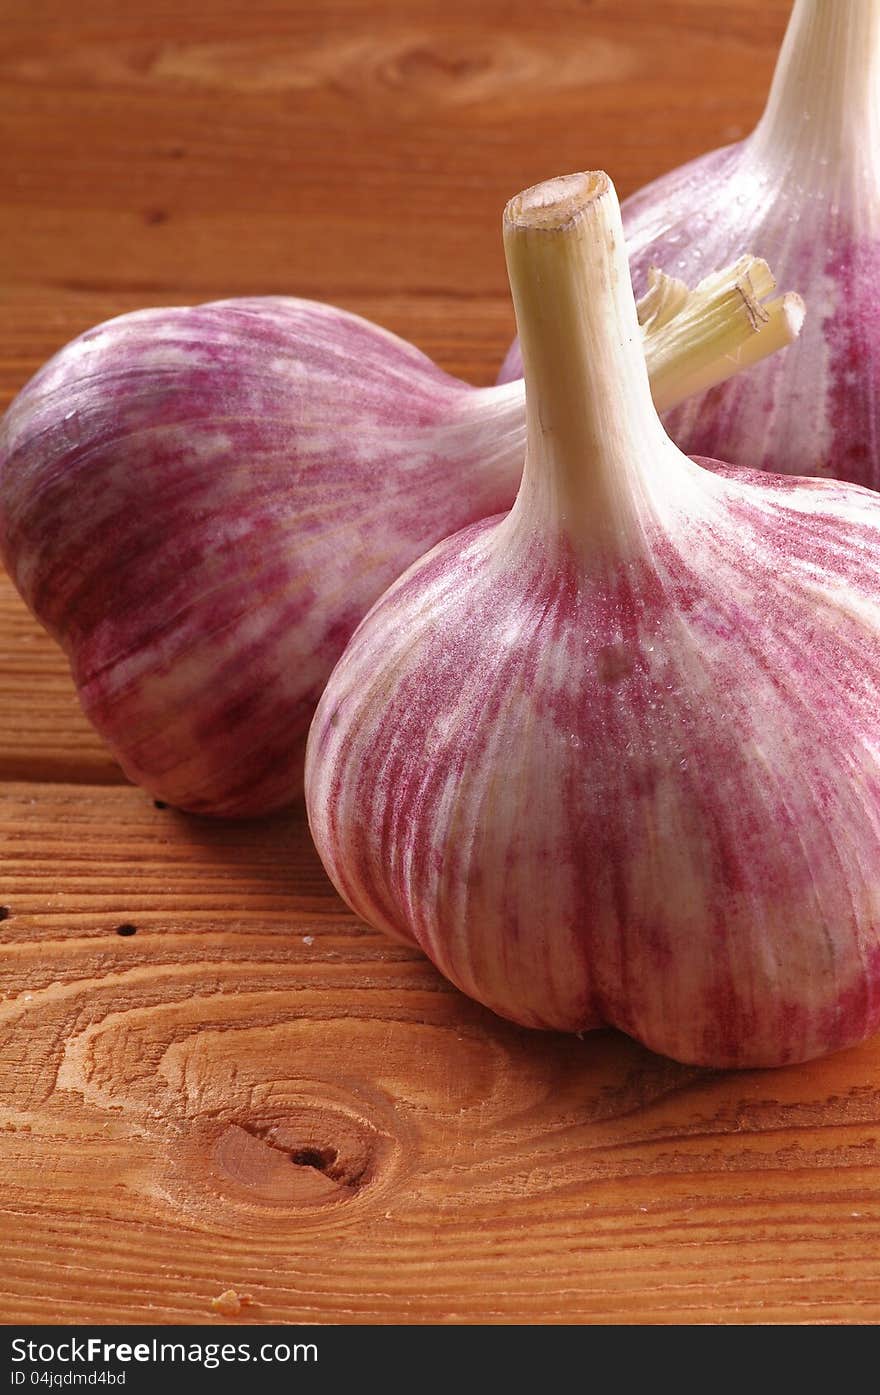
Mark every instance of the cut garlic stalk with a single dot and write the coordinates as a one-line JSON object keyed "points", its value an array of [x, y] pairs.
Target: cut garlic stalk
{"points": [[695, 339]]}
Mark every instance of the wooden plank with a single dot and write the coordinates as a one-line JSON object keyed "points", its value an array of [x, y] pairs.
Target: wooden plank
{"points": [[254, 1091], [273, 145]]}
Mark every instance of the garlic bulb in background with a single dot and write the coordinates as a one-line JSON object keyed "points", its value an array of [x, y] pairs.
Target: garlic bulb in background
{"points": [[803, 190], [200, 504], [614, 758]]}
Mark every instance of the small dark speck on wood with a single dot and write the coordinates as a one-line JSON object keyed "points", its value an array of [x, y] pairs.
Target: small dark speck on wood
{"points": [[319, 1158]]}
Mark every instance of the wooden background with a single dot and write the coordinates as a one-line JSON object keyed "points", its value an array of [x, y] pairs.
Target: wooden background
{"points": [[251, 1091]]}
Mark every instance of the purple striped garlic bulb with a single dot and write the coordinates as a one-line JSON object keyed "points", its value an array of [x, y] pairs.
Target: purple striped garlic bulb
{"points": [[614, 757], [200, 504], [803, 190]]}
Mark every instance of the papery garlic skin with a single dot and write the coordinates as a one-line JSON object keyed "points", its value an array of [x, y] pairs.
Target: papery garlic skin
{"points": [[615, 757], [201, 503], [802, 191]]}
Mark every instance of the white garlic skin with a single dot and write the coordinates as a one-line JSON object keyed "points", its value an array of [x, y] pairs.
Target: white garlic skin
{"points": [[812, 411], [646, 796], [803, 192], [200, 503], [614, 758]]}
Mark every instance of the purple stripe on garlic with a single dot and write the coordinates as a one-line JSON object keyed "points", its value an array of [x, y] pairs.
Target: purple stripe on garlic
{"points": [[615, 757], [803, 191], [201, 503]]}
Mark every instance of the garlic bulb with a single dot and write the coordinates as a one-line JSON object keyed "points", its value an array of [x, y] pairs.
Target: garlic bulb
{"points": [[803, 190], [201, 503], [614, 758]]}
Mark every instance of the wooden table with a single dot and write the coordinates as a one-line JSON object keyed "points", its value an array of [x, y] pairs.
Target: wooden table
{"points": [[250, 1090]]}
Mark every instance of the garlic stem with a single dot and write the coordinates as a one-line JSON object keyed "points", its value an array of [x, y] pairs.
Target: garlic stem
{"points": [[665, 297], [824, 93], [693, 339], [697, 339], [592, 432]]}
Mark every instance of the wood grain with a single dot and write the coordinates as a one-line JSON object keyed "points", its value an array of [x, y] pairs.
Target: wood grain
{"points": [[255, 1092], [248, 1089]]}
